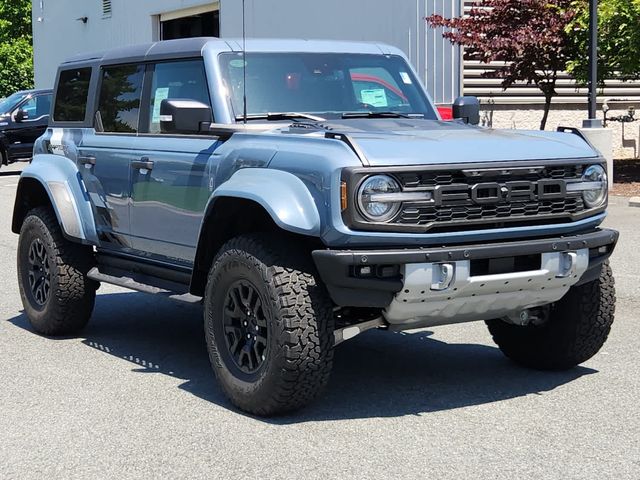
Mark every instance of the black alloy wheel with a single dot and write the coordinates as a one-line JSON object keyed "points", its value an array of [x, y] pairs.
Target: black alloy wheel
{"points": [[39, 272], [245, 327]]}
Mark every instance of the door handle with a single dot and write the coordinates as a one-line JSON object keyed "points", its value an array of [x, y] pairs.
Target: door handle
{"points": [[143, 164], [87, 160]]}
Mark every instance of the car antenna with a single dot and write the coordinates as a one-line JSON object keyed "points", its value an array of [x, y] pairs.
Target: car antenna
{"points": [[244, 62]]}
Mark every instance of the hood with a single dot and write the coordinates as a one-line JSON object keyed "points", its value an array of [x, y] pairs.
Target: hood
{"points": [[390, 142]]}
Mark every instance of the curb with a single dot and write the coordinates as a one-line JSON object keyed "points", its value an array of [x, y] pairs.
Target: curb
{"points": [[624, 201]]}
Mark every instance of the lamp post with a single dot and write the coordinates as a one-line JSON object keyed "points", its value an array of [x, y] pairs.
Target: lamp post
{"points": [[593, 121]]}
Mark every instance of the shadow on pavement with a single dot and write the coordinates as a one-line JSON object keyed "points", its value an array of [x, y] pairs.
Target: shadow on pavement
{"points": [[378, 374], [10, 173]]}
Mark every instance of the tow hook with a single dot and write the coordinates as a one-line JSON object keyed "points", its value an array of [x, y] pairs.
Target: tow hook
{"points": [[529, 316], [443, 274]]}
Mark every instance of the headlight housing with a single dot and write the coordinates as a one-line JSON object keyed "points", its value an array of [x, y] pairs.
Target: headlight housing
{"points": [[374, 201], [595, 178]]}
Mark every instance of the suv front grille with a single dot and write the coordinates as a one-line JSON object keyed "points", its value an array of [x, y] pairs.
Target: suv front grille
{"points": [[413, 214], [424, 214]]}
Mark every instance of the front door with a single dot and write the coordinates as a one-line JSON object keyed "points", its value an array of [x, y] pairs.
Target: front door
{"points": [[24, 133], [170, 178]]}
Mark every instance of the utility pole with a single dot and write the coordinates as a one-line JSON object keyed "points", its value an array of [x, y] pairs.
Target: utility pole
{"points": [[593, 121]]}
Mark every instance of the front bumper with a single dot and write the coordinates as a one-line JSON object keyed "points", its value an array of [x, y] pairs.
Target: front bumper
{"points": [[460, 283]]}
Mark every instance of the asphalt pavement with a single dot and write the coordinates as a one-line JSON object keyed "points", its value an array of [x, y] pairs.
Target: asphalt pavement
{"points": [[133, 396]]}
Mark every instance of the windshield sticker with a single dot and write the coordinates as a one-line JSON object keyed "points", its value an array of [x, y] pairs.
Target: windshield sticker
{"points": [[161, 94], [376, 97], [406, 78]]}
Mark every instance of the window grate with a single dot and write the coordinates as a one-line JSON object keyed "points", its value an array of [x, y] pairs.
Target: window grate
{"points": [[106, 8]]}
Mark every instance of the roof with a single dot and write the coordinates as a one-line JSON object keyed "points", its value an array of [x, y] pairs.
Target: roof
{"points": [[192, 47]]}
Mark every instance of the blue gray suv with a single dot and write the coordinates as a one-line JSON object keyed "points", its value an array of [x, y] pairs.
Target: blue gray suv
{"points": [[305, 192]]}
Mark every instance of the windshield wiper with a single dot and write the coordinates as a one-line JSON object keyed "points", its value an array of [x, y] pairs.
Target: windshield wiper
{"points": [[380, 115], [274, 117]]}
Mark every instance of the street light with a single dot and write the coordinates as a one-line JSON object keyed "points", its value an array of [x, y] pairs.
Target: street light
{"points": [[593, 121]]}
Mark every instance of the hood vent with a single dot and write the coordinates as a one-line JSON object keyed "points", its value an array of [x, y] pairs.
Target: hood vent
{"points": [[106, 8]]}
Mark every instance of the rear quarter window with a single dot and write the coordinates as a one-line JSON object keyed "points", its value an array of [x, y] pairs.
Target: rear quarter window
{"points": [[72, 95]]}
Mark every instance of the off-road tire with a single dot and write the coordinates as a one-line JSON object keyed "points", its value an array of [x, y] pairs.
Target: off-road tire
{"points": [[72, 295], [577, 327], [299, 318]]}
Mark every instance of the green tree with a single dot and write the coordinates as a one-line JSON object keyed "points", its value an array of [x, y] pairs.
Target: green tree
{"points": [[16, 50], [618, 38]]}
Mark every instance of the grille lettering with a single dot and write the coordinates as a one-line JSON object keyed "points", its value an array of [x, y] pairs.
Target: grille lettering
{"points": [[491, 193]]}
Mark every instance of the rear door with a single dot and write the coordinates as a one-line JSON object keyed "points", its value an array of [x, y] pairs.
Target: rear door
{"points": [[106, 152], [170, 178]]}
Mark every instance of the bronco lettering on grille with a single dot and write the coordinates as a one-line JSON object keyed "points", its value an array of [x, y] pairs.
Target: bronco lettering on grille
{"points": [[491, 193]]}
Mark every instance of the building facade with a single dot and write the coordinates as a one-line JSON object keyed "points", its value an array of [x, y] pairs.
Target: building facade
{"points": [[63, 28]]}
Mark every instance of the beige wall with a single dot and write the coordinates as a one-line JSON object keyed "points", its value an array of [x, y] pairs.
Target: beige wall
{"points": [[528, 117]]}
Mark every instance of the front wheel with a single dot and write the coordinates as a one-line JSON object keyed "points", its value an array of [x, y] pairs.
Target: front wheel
{"points": [[576, 328], [268, 325]]}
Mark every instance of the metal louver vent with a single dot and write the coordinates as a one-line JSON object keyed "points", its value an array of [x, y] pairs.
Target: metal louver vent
{"points": [[106, 8]]}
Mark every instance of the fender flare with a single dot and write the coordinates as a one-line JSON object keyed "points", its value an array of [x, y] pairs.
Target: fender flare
{"points": [[61, 180], [284, 197]]}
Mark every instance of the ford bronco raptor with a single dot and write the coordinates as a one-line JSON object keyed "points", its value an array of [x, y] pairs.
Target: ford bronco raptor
{"points": [[305, 192]]}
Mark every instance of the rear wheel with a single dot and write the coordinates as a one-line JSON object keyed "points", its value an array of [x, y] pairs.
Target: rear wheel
{"points": [[57, 296], [268, 325], [576, 328]]}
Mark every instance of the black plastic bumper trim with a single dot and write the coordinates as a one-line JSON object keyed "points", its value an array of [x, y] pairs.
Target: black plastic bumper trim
{"points": [[334, 266]]}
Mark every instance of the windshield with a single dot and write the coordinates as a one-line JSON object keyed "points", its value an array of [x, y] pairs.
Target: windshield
{"points": [[10, 102], [326, 85]]}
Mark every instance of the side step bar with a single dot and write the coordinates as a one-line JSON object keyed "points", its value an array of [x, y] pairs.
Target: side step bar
{"points": [[121, 280]]}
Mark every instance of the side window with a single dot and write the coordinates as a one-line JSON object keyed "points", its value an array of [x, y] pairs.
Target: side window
{"points": [[377, 88], [71, 98], [176, 80], [29, 107], [120, 93], [37, 107]]}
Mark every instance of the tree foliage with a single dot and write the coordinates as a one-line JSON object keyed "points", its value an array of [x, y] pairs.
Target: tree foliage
{"points": [[529, 37], [16, 51], [618, 40]]}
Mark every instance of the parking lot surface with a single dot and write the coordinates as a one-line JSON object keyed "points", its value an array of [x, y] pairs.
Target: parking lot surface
{"points": [[133, 396]]}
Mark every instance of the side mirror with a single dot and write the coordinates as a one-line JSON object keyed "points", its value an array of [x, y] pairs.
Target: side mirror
{"points": [[467, 109], [184, 116], [21, 116]]}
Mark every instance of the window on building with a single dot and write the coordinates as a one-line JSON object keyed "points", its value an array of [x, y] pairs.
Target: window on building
{"points": [[120, 93], [176, 80], [72, 95]]}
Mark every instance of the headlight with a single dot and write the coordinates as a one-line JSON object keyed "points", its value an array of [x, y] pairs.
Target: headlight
{"points": [[595, 181], [373, 199]]}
